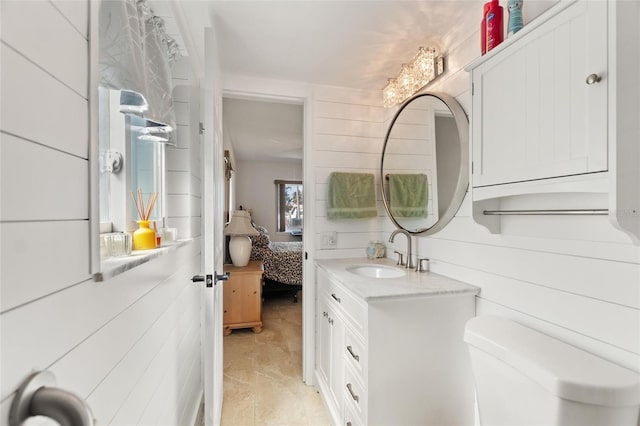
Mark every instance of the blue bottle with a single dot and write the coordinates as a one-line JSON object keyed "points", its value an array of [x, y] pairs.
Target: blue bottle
{"points": [[515, 17]]}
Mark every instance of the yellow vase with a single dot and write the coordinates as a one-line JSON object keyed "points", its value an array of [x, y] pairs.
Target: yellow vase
{"points": [[144, 238]]}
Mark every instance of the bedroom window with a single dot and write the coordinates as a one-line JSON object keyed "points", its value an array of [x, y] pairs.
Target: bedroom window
{"points": [[289, 205]]}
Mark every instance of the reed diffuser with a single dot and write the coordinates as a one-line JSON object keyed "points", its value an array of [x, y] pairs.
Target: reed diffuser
{"points": [[144, 238]]}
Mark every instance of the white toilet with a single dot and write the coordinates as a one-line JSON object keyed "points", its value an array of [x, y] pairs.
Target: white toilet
{"points": [[524, 377]]}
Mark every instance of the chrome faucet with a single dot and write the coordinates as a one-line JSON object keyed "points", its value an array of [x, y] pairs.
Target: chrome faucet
{"points": [[406, 234]]}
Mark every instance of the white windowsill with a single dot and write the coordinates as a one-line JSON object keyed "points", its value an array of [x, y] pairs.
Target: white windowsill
{"points": [[112, 266]]}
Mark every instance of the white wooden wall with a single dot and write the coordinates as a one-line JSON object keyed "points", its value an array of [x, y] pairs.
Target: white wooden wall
{"points": [[184, 198], [131, 345], [348, 134]]}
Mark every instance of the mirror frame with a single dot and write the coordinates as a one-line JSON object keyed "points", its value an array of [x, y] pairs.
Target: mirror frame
{"points": [[462, 124]]}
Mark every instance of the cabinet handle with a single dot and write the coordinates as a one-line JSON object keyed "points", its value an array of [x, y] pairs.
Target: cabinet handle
{"points": [[593, 79], [330, 320], [337, 299], [324, 314], [353, 355], [355, 397]]}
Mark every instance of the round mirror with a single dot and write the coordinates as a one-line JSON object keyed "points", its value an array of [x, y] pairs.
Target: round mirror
{"points": [[425, 163]]}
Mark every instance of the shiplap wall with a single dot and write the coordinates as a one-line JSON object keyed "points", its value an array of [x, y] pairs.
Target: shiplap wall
{"points": [[131, 345], [184, 198], [256, 191], [348, 134], [574, 278]]}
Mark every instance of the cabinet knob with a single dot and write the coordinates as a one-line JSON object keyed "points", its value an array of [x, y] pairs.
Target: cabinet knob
{"points": [[593, 79]]}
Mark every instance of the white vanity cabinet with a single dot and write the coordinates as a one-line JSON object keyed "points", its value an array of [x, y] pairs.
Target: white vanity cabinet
{"points": [[539, 106], [393, 360]]}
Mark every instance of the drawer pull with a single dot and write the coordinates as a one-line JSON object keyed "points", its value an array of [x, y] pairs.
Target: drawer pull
{"points": [[353, 355], [355, 397], [337, 299]]}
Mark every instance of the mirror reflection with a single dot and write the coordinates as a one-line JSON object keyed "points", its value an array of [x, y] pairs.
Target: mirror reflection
{"points": [[424, 166]]}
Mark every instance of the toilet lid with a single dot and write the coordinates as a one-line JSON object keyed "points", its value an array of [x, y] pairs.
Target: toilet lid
{"points": [[564, 370]]}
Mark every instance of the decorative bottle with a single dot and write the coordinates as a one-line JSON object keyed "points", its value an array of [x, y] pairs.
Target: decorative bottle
{"points": [[144, 238], [515, 17]]}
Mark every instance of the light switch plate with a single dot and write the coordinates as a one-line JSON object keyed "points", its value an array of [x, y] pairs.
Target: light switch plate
{"points": [[328, 240]]}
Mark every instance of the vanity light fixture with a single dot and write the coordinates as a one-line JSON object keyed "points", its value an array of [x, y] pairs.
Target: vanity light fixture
{"points": [[426, 66]]}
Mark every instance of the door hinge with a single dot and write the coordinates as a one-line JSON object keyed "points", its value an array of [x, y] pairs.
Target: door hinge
{"points": [[201, 128], [472, 167]]}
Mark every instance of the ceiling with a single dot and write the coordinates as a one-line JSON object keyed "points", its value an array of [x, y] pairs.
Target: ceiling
{"points": [[263, 131], [349, 43]]}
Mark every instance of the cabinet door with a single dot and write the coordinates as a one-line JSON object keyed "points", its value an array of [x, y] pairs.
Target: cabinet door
{"points": [[534, 115]]}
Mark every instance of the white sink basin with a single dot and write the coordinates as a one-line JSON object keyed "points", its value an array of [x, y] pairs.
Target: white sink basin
{"points": [[376, 271]]}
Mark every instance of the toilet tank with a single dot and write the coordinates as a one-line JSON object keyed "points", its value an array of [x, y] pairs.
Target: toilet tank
{"points": [[524, 377]]}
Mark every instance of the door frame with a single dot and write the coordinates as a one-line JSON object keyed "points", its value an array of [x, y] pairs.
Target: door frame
{"points": [[241, 87]]}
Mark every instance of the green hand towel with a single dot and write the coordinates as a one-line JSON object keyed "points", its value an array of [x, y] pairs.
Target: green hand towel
{"points": [[351, 196], [408, 195]]}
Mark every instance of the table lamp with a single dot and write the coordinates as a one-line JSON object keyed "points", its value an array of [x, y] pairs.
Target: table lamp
{"points": [[239, 227]]}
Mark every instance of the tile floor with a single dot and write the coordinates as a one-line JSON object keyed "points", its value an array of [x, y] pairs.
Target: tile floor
{"points": [[263, 372]]}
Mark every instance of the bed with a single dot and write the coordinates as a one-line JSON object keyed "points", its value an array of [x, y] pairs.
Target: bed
{"points": [[282, 264]]}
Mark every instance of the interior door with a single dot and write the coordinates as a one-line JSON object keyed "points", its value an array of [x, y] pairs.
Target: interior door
{"points": [[212, 239]]}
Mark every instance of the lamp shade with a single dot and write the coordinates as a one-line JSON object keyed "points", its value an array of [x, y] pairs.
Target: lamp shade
{"points": [[240, 224]]}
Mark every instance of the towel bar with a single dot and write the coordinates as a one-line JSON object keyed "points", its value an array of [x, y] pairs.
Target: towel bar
{"points": [[577, 212], [38, 396]]}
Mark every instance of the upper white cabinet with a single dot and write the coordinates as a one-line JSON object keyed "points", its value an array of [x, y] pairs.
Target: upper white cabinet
{"points": [[535, 115], [555, 109]]}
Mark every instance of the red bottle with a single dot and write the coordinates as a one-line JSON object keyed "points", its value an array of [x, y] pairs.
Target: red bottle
{"points": [[494, 26], [483, 28]]}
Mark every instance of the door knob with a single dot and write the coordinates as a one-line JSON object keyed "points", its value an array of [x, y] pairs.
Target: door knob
{"points": [[209, 278]]}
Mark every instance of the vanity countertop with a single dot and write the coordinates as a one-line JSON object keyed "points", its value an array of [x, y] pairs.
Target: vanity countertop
{"points": [[411, 284]]}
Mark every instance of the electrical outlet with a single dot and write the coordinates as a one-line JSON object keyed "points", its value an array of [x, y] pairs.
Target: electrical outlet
{"points": [[328, 240]]}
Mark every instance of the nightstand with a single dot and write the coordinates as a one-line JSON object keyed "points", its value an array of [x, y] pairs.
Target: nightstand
{"points": [[242, 297]]}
